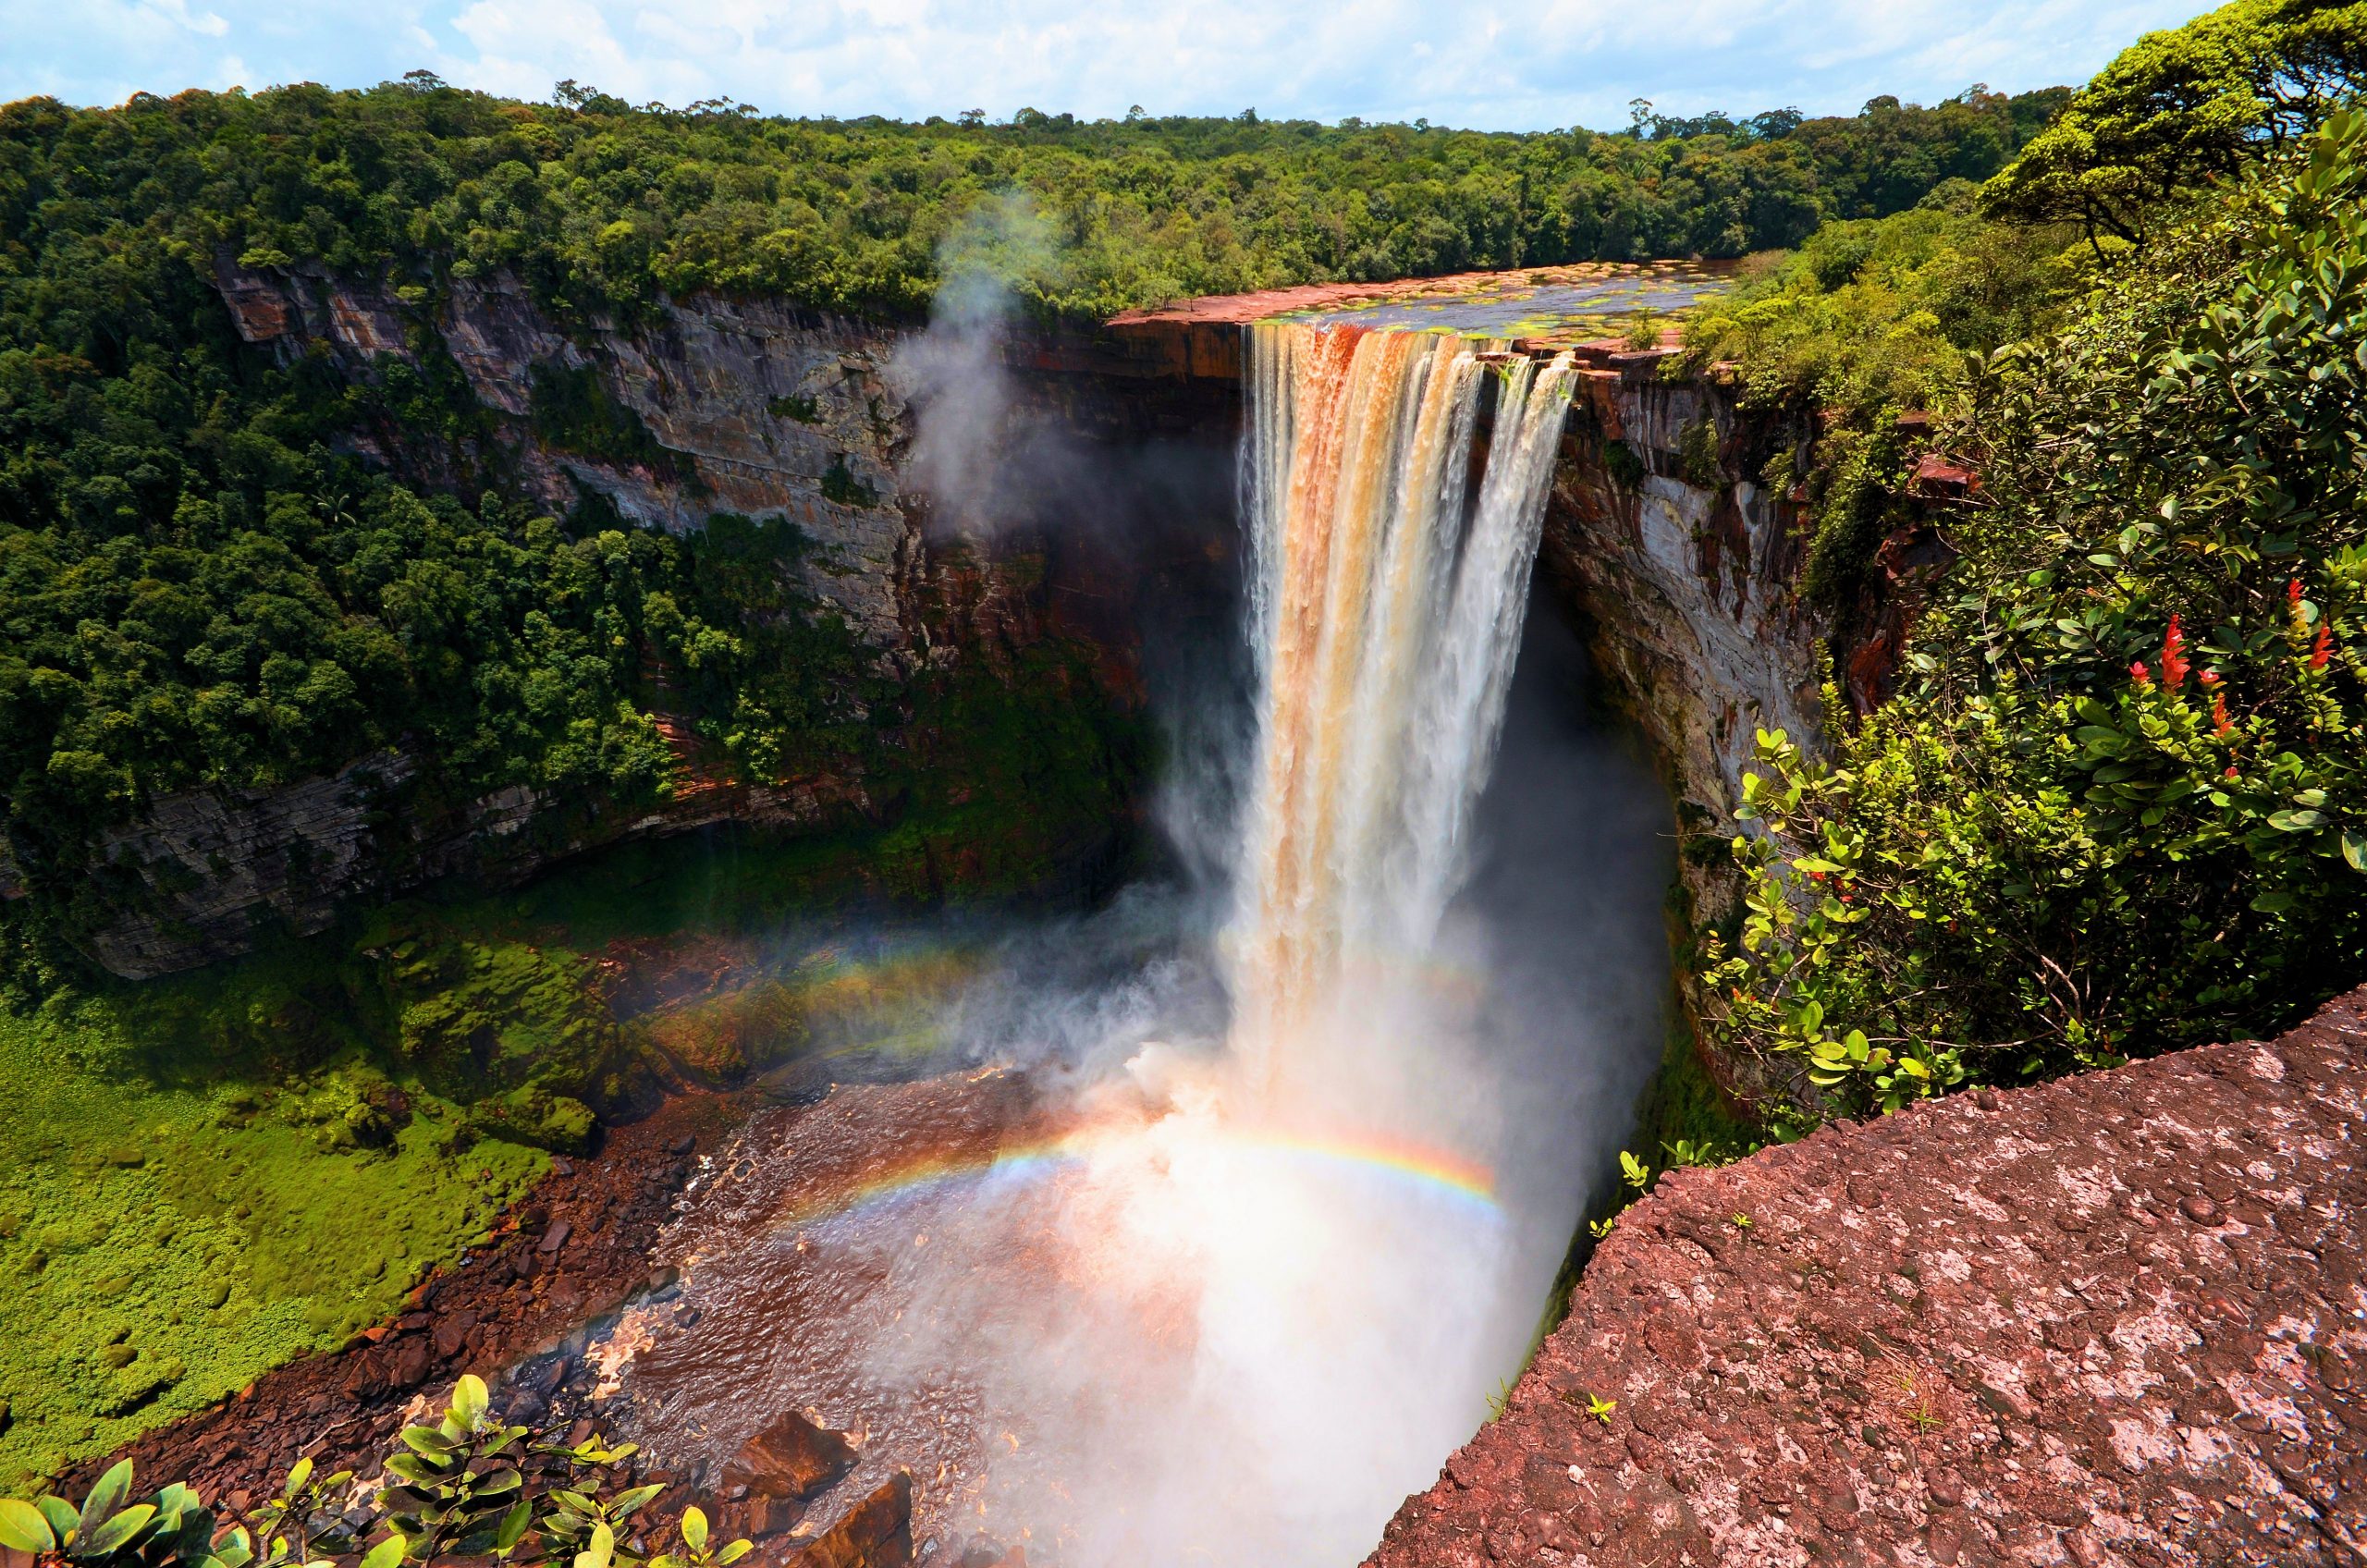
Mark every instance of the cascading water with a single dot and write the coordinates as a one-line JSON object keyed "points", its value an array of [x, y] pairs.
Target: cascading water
{"points": [[1196, 1289], [1386, 639]]}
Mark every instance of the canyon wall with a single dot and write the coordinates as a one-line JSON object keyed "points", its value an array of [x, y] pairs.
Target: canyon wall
{"points": [[748, 406], [1661, 535]]}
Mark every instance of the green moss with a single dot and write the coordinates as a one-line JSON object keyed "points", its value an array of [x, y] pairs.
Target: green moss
{"points": [[162, 1246], [1683, 1105], [842, 487], [572, 407]]}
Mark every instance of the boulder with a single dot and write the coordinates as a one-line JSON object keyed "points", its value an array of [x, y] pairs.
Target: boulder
{"points": [[876, 1533], [792, 1458]]}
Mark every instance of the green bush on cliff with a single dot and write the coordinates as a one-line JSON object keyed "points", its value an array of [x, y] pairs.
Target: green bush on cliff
{"points": [[2120, 801], [2183, 111]]}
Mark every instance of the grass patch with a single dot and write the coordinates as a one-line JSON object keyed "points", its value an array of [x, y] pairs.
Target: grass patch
{"points": [[162, 1247]]}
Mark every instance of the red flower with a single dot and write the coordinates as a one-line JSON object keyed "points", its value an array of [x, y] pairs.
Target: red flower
{"points": [[2173, 662], [2138, 673], [2208, 678], [2221, 724], [2293, 593], [2232, 773], [2322, 649]]}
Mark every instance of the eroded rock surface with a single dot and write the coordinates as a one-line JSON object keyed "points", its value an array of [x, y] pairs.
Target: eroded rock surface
{"points": [[792, 1458], [2114, 1320], [876, 1533]]}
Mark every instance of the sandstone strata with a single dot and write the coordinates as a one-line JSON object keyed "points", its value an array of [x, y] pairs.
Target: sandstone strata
{"points": [[754, 407], [2115, 1319]]}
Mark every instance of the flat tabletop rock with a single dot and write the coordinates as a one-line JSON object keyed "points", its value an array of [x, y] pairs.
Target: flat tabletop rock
{"points": [[2116, 1318]]}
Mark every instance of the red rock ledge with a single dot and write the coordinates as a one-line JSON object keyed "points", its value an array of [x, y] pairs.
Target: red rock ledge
{"points": [[1236, 309], [2114, 1320]]}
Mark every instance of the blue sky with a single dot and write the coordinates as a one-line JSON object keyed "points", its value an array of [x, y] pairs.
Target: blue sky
{"points": [[1497, 64]]}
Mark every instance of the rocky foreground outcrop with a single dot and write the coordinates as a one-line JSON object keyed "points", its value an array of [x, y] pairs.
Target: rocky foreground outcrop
{"points": [[2114, 1320]]}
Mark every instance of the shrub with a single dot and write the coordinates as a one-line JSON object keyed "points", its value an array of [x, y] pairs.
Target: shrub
{"points": [[2120, 800], [466, 1487]]}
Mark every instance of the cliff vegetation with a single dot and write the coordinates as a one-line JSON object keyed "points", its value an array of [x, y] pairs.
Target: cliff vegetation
{"points": [[2117, 798]]}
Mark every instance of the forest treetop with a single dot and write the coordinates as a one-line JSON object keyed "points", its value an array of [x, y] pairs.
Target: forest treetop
{"points": [[603, 206]]}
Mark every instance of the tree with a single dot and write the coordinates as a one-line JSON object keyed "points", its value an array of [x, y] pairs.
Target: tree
{"points": [[2184, 108]]}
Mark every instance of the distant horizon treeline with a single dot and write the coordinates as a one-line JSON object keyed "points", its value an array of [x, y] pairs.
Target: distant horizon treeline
{"points": [[600, 205]]}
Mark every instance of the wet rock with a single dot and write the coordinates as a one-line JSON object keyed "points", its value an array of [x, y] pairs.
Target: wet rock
{"points": [[792, 1458], [452, 1333], [410, 1365], [876, 1533], [555, 1237]]}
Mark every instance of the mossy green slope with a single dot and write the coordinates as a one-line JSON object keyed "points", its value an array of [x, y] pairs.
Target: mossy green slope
{"points": [[162, 1247]]}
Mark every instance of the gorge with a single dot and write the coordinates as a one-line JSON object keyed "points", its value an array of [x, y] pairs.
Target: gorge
{"points": [[970, 917]]}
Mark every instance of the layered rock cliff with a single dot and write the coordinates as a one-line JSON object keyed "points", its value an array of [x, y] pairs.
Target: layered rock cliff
{"points": [[1661, 535], [709, 405]]}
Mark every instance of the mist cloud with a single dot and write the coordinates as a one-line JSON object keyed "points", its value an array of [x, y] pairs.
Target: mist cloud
{"points": [[980, 458]]}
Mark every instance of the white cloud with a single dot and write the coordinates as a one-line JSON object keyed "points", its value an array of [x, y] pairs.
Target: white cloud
{"points": [[1492, 64]]}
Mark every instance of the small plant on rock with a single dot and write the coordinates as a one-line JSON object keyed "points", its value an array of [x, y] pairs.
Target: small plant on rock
{"points": [[469, 1485]]}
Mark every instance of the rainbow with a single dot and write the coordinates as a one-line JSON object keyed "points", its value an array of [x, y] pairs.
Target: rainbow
{"points": [[1437, 1173]]}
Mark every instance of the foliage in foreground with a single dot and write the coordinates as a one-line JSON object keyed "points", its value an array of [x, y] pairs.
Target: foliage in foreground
{"points": [[2120, 801], [467, 1487]]}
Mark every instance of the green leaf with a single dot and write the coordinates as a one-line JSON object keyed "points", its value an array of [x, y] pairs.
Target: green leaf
{"points": [[469, 1398], [23, 1528], [410, 1467], [513, 1525], [387, 1553], [695, 1528], [63, 1520], [2354, 848], [298, 1474], [628, 1502], [601, 1551], [118, 1531], [427, 1440], [734, 1552], [105, 1498], [2295, 821]]}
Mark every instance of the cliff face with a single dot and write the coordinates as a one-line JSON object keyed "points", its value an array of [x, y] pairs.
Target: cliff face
{"points": [[1660, 532], [749, 407], [1684, 565], [756, 407]]}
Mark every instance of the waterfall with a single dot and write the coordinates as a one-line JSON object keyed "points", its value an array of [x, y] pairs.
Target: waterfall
{"points": [[1202, 1288], [1385, 608]]}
